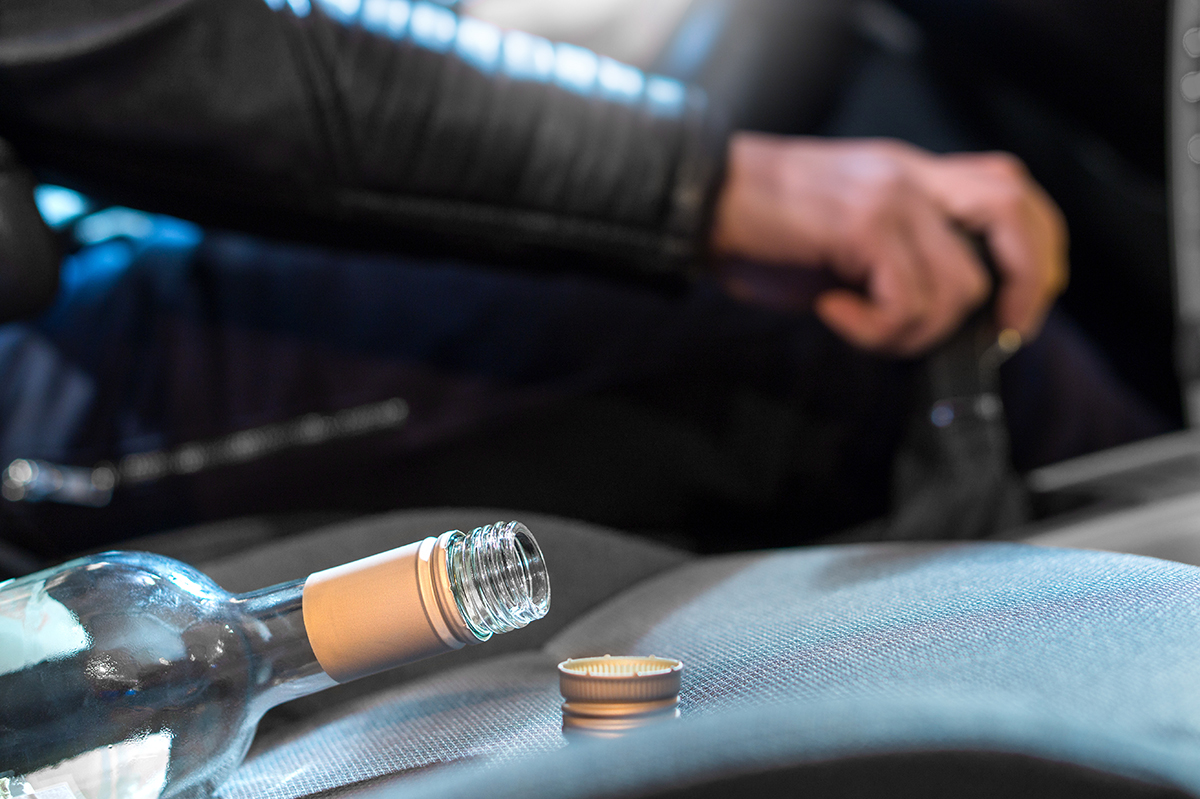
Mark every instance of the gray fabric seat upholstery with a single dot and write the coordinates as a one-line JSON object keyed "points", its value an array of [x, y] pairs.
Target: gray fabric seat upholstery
{"points": [[873, 669]]}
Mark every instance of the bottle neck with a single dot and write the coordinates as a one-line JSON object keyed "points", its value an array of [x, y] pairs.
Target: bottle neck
{"points": [[498, 578], [424, 599], [283, 665], [402, 605]]}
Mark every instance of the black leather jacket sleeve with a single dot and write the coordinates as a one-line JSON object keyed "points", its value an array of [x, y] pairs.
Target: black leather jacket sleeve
{"points": [[369, 122]]}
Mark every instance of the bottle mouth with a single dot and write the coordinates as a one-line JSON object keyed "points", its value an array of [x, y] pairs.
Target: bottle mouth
{"points": [[499, 578]]}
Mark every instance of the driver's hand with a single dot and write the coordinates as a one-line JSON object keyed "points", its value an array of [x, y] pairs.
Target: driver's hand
{"points": [[888, 218]]}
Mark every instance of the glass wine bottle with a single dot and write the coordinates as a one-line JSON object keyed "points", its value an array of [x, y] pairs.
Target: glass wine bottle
{"points": [[128, 675]]}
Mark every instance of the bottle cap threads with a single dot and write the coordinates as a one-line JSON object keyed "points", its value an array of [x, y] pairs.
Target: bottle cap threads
{"points": [[608, 696]]}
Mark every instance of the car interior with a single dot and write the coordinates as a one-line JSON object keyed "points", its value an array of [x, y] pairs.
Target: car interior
{"points": [[1000, 633]]}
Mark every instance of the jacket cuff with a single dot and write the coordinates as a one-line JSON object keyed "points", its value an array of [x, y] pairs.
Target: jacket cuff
{"points": [[698, 181]]}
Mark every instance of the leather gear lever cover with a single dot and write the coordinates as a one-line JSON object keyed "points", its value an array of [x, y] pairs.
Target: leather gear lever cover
{"points": [[379, 123]]}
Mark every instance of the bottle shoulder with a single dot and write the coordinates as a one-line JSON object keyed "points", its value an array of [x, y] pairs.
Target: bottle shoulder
{"points": [[143, 567], [128, 601], [110, 648]]}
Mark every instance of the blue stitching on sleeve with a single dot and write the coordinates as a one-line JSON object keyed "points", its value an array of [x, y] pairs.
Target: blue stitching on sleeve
{"points": [[387, 17], [516, 54]]}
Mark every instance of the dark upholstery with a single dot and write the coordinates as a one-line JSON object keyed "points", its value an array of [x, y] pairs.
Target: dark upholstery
{"points": [[864, 670]]}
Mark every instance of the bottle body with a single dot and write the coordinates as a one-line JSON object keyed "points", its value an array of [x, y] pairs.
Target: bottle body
{"points": [[133, 676], [132, 658]]}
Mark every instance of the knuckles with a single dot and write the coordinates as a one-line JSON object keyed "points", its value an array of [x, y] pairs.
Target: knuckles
{"points": [[1005, 166], [875, 192]]}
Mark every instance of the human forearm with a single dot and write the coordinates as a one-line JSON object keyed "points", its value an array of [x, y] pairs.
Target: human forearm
{"points": [[401, 127]]}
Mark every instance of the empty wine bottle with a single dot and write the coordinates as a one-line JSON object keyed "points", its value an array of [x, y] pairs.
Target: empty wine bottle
{"points": [[128, 675]]}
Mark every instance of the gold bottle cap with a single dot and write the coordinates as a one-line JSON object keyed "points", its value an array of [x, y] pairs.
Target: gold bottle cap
{"points": [[608, 696]]}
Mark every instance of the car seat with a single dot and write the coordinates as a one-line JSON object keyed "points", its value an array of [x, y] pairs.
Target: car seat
{"points": [[894, 669]]}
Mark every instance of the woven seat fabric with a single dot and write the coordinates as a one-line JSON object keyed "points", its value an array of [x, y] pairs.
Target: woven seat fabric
{"points": [[491, 712], [1056, 627], [1084, 659], [797, 738]]}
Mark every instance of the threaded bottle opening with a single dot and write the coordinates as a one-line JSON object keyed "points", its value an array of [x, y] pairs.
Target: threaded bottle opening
{"points": [[499, 578]]}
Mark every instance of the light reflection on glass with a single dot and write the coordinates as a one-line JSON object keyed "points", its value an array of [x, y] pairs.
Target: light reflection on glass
{"points": [[132, 769], [35, 628]]}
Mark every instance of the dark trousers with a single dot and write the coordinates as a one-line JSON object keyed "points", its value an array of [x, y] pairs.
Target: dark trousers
{"points": [[623, 404], [685, 414]]}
